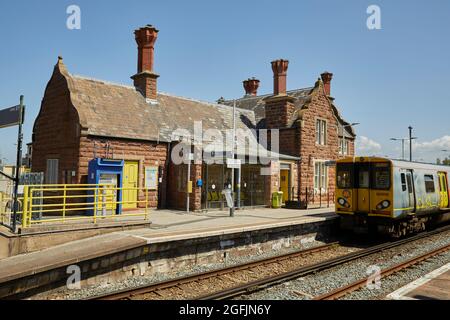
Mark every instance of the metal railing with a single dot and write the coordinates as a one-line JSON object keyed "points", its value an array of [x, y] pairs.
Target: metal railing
{"points": [[80, 202]]}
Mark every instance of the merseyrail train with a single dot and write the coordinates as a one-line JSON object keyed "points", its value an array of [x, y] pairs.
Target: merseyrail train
{"points": [[391, 196]]}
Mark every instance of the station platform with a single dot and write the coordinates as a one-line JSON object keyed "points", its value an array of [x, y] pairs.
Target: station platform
{"points": [[194, 237], [433, 286]]}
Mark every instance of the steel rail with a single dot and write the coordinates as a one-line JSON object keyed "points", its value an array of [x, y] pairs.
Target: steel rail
{"points": [[342, 291], [146, 289], [303, 271]]}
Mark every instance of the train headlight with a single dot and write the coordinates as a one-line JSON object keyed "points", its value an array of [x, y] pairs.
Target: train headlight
{"points": [[343, 202], [383, 205]]}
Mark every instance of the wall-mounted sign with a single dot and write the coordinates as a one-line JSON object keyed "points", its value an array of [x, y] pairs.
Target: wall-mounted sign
{"points": [[11, 117], [151, 178]]}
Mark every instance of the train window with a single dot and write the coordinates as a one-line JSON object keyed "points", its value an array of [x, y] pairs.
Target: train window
{"points": [[381, 176], [344, 176], [363, 181], [429, 183], [409, 181], [403, 178]]}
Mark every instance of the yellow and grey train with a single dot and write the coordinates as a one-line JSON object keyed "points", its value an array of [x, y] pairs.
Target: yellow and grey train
{"points": [[391, 196]]}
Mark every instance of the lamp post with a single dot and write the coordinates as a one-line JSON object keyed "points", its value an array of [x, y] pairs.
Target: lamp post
{"points": [[343, 134], [403, 145], [411, 138]]}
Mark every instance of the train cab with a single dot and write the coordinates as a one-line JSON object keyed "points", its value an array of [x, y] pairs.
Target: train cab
{"points": [[364, 186], [392, 196]]}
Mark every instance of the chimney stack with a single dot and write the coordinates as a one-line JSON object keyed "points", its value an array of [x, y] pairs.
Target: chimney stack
{"points": [[145, 79], [279, 68], [326, 79], [251, 86]]}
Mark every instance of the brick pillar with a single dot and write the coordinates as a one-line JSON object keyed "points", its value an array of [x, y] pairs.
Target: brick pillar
{"points": [[195, 199]]}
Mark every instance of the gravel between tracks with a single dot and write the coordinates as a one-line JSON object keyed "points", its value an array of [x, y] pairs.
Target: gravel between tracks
{"points": [[339, 276], [400, 279], [133, 282]]}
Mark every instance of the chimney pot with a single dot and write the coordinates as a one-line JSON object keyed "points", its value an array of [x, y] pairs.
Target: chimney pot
{"points": [[326, 79], [145, 79], [251, 86], [279, 68]]}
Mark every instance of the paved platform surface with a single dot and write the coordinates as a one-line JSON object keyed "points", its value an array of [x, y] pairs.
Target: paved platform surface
{"points": [[166, 226], [433, 286]]}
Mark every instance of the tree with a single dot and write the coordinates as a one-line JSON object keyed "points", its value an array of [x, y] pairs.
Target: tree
{"points": [[445, 162]]}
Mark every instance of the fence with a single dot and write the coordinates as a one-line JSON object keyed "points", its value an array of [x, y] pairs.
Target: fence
{"points": [[79, 202], [309, 197]]}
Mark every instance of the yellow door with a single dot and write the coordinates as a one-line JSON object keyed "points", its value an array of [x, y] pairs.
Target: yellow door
{"points": [[130, 184], [444, 189], [284, 184]]}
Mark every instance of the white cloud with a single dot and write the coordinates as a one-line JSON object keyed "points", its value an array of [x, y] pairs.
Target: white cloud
{"points": [[367, 147], [431, 150], [438, 145]]}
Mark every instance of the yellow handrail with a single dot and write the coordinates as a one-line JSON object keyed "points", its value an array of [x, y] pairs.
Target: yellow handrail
{"points": [[57, 200]]}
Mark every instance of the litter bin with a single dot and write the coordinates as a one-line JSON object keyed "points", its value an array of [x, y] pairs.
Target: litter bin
{"points": [[277, 199]]}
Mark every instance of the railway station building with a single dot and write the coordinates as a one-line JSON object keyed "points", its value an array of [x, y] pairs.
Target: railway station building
{"points": [[82, 119]]}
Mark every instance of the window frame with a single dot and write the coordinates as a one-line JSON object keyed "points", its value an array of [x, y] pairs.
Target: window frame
{"points": [[320, 176], [426, 182], [321, 132]]}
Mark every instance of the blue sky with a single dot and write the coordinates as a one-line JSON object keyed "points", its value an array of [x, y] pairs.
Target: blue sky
{"points": [[385, 79]]}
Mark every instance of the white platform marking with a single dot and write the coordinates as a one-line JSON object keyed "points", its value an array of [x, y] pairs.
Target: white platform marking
{"points": [[401, 293]]}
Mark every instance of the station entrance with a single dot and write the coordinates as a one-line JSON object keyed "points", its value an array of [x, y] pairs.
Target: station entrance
{"points": [[217, 177]]}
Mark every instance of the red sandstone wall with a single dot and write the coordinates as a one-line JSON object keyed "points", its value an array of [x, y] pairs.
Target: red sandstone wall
{"points": [[56, 129], [146, 153]]}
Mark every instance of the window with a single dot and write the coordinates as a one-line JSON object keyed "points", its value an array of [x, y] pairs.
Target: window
{"points": [[320, 175], [409, 181], [381, 176], [321, 132], [343, 146], [344, 176], [429, 183], [51, 174], [363, 181], [403, 178]]}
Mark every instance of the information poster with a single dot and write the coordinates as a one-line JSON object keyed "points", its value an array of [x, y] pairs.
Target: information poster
{"points": [[151, 178]]}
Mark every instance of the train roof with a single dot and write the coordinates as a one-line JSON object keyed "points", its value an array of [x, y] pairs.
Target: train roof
{"points": [[398, 163]]}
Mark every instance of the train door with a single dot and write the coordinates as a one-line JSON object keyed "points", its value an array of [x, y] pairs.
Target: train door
{"points": [[443, 189], [406, 191], [363, 185]]}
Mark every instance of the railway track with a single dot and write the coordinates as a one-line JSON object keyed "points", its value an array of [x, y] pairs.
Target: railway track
{"points": [[343, 291], [172, 288], [178, 283]]}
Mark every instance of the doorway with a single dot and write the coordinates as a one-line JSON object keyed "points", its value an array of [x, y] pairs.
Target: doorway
{"points": [[284, 184], [130, 184]]}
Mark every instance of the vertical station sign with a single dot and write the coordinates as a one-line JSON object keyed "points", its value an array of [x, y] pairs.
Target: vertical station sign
{"points": [[14, 116]]}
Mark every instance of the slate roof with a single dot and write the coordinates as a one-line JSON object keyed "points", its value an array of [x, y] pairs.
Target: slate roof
{"points": [[302, 98], [113, 110], [256, 103]]}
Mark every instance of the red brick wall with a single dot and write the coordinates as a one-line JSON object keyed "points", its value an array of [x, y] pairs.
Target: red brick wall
{"points": [[177, 197], [279, 111], [146, 153], [319, 107], [56, 129]]}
